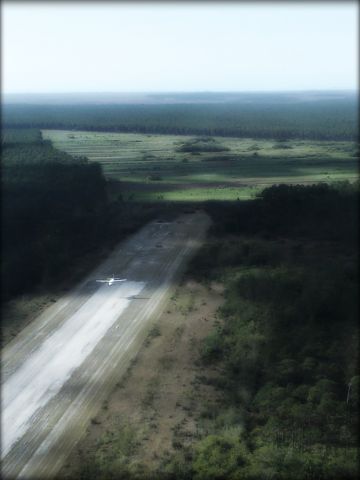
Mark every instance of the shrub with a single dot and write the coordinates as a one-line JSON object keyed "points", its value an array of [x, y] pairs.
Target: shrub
{"points": [[220, 457]]}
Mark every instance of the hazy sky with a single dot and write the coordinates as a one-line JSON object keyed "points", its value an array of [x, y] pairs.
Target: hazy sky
{"points": [[118, 46]]}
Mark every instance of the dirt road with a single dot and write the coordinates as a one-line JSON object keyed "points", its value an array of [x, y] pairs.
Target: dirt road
{"points": [[60, 368]]}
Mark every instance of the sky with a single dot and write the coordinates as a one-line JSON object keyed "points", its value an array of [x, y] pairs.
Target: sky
{"points": [[50, 47]]}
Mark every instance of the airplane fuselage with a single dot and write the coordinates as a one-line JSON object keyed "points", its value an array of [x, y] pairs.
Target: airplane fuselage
{"points": [[111, 280]]}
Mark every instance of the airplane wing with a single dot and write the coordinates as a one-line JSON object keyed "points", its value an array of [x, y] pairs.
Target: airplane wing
{"points": [[103, 281], [119, 280]]}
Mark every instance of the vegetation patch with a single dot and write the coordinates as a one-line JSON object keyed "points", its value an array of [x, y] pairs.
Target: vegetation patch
{"points": [[154, 169], [202, 145], [287, 337]]}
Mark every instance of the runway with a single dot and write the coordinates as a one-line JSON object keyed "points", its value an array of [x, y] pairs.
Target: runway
{"points": [[57, 372]]}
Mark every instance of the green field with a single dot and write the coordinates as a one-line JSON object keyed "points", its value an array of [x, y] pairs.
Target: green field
{"points": [[187, 168]]}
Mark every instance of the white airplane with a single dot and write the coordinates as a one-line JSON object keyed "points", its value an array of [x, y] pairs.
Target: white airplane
{"points": [[111, 280]]}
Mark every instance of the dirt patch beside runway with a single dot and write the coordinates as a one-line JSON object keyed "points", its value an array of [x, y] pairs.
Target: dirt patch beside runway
{"points": [[157, 403]]}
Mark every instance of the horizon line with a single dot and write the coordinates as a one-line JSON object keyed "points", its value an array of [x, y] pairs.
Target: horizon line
{"points": [[136, 92]]}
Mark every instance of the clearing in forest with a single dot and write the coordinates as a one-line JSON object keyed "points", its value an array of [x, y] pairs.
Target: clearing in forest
{"points": [[187, 168]]}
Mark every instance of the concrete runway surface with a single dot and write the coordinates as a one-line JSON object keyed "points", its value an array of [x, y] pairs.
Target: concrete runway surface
{"points": [[57, 372]]}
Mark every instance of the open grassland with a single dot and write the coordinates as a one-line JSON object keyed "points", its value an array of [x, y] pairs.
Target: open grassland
{"points": [[187, 168]]}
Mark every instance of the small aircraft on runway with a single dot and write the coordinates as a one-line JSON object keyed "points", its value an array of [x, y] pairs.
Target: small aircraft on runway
{"points": [[111, 280]]}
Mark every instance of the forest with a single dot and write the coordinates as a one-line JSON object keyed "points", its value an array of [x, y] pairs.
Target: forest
{"points": [[55, 211], [323, 119], [287, 343]]}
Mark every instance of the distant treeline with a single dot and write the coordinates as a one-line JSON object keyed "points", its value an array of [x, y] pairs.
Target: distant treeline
{"points": [[325, 119]]}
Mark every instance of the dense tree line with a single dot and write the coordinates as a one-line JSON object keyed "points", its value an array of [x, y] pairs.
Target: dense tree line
{"points": [[54, 211], [51, 208], [288, 341], [324, 119], [321, 212], [12, 136]]}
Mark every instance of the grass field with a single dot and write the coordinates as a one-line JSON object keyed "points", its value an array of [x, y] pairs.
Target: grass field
{"points": [[186, 168]]}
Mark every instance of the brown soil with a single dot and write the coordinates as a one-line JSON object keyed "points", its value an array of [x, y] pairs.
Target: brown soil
{"points": [[161, 395]]}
